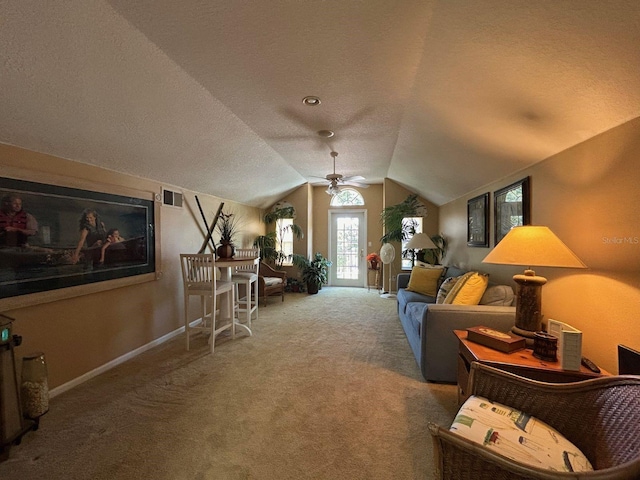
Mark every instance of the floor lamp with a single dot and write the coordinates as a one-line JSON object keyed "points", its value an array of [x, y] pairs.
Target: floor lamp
{"points": [[420, 241], [531, 246]]}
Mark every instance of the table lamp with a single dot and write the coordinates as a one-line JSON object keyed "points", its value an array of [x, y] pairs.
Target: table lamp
{"points": [[419, 241], [531, 246]]}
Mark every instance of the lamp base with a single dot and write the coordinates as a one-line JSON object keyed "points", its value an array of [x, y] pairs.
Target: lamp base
{"points": [[528, 335], [528, 305]]}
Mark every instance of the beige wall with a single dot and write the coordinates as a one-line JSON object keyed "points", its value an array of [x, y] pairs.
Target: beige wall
{"points": [[589, 196], [83, 333], [372, 204], [313, 203]]}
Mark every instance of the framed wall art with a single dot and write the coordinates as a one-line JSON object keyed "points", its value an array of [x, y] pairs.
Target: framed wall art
{"points": [[478, 221], [54, 237], [511, 207]]}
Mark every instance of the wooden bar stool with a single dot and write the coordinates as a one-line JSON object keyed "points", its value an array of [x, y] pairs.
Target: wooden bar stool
{"points": [[199, 279], [247, 276]]}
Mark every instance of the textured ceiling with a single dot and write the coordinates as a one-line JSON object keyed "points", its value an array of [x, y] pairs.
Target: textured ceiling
{"points": [[440, 96]]}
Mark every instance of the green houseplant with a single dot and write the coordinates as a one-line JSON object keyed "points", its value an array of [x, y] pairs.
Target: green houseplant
{"points": [[270, 250], [227, 227], [392, 219], [314, 272]]}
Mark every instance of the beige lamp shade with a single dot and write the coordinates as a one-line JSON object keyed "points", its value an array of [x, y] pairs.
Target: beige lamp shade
{"points": [[420, 241], [532, 246]]}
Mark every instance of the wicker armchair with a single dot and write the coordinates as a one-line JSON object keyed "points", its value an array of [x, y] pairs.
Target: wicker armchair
{"points": [[267, 278], [600, 416]]}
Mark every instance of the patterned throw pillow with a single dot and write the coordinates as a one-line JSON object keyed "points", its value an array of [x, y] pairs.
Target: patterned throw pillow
{"points": [[468, 289], [445, 288], [518, 436], [425, 280]]}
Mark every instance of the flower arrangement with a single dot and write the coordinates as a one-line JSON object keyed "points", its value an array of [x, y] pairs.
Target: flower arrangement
{"points": [[374, 261]]}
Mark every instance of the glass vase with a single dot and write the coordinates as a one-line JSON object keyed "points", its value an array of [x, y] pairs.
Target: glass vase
{"points": [[34, 386]]}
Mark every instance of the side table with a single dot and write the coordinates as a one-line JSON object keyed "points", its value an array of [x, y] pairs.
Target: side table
{"points": [[375, 273], [521, 362]]}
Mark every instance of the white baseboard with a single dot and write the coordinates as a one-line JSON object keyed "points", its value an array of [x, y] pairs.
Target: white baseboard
{"points": [[115, 362]]}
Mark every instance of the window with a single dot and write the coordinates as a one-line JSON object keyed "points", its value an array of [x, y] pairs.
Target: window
{"points": [[347, 197], [410, 226], [284, 238]]}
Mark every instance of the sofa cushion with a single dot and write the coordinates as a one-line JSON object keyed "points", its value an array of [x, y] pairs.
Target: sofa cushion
{"points": [[445, 288], [425, 280], [468, 290], [405, 297], [498, 295], [518, 436]]}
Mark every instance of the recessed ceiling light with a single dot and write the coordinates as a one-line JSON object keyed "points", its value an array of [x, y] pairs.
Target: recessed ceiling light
{"points": [[311, 101], [326, 133]]}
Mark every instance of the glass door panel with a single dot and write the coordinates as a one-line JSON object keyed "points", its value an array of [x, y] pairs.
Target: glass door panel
{"points": [[347, 249]]}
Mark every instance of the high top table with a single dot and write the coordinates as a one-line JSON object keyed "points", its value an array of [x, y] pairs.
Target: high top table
{"points": [[226, 265]]}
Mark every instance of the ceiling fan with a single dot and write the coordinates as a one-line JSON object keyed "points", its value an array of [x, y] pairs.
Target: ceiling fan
{"points": [[336, 180]]}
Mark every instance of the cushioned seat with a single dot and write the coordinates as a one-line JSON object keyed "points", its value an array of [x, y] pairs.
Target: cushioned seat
{"points": [[270, 282], [599, 418]]}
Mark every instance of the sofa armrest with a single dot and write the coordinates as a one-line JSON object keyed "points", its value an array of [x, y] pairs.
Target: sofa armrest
{"points": [[440, 345], [402, 280]]}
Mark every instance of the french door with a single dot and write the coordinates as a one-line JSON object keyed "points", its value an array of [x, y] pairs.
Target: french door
{"points": [[347, 241]]}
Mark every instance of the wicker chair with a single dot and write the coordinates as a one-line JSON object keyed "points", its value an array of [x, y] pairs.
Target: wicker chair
{"points": [[600, 416], [270, 282]]}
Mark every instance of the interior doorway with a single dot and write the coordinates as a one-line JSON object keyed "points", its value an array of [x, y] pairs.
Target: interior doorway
{"points": [[347, 246]]}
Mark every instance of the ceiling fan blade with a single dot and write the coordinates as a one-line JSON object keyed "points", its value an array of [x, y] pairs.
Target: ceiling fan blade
{"points": [[353, 178], [354, 184]]}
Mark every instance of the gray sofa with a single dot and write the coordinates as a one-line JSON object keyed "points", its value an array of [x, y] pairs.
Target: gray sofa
{"points": [[429, 326]]}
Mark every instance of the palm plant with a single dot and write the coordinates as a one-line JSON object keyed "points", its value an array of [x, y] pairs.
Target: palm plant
{"points": [[392, 219], [274, 250]]}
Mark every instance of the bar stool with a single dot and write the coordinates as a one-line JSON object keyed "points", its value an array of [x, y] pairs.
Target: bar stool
{"points": [[199, 279], [247, 275]]}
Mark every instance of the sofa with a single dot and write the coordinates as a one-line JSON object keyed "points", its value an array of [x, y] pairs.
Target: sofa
{"points": [[429, 325]]}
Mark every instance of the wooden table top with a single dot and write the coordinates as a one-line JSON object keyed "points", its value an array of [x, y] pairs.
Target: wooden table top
{"points": [[522, 358]]}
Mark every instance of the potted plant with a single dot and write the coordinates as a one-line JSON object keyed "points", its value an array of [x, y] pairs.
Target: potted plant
{"points": [[227, 227], [314, 272], [392, 219], [270, 250], [294, 285], [374, 261], [267, 245]]}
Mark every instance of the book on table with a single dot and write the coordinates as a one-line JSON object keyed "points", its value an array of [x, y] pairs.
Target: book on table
{"points": [[503, 341]]}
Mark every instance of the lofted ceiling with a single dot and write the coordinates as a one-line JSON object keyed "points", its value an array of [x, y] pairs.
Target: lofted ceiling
{"points": [[442, 97]]}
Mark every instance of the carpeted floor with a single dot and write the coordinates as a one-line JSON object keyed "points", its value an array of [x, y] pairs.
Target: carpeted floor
{"points": [[327, 388]]}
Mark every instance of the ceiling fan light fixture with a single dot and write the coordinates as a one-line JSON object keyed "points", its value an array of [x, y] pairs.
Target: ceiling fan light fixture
{"points": [[333, 190], [311, 101]]}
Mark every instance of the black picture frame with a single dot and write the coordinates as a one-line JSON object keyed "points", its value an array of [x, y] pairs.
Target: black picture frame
{"points": [[512, 207], [478, 221], [45, 260]]}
